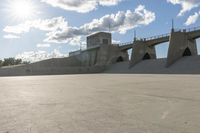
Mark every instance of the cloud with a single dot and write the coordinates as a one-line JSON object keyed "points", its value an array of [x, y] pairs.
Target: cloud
{"points": [[109, 2], [44, 45], [192, 19], [34, 56], [116, 41], [58, 30], [44, 25], [81, 6], [120, 22], [11, 36], [186, 5]]}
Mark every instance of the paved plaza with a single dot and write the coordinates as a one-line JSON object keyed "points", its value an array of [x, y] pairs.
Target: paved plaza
{"points": [[100, 103]]}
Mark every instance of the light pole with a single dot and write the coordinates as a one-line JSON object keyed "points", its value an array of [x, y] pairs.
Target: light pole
{"points": [[80, 46], [172, 25], [135, 35]]}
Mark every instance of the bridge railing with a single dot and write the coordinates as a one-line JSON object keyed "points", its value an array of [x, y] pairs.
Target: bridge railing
{"points": [[159, 36], [156, 37], [187, 30], [126, 43], [123, 44], [143, 39], [192, 29]]}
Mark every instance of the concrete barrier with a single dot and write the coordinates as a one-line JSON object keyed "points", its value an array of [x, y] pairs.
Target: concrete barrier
{"points": [[69, 65]]}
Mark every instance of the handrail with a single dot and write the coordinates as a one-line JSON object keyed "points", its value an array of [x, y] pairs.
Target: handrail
{"points": [[192, 29], [144, 39], [156, 37], [187, 29], [126, 43]]}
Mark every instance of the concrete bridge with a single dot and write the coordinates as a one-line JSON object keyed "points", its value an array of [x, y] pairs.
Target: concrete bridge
{"points": [[151, 41], [101, 51], [181, 43]]}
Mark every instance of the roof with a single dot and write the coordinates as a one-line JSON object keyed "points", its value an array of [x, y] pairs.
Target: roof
{"points": [[97, 33]]}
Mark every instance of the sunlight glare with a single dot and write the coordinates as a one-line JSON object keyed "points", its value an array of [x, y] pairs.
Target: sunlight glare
{"points": [[21, 9]]}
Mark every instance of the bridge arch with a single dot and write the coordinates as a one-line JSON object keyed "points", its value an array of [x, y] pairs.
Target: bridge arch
{"points": [[146, 57], [187, 52], [120, 59]]}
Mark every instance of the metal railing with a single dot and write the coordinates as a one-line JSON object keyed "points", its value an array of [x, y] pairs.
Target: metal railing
{"points": [[187, 29], [143, 39], [124, 44], [192, 29], [157, 37]]}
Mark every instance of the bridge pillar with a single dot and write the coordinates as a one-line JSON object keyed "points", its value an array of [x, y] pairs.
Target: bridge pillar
{"points": [[141, 51], [180, 45]]}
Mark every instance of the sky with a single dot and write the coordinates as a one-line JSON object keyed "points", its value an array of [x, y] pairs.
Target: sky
{"points": [[39, 29]]}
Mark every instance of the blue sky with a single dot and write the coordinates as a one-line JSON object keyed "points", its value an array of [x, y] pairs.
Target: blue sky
{"points": [[52, 28]]}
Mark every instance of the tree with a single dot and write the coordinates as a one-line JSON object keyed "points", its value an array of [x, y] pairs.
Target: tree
{"points": [[9, 61], [1, 63], [26, 62], [12, 61], [17, 61]]}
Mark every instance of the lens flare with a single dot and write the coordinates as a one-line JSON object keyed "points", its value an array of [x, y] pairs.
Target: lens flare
{"points": [[21, 9]]}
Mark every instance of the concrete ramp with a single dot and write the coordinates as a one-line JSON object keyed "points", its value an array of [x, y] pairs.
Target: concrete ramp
{"points": [[186, 65], [56, 66]]}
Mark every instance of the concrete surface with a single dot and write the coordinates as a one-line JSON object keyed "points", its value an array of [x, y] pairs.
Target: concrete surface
{"points": [[26, 70], [140, 49], [103, 103], [179, 42]]}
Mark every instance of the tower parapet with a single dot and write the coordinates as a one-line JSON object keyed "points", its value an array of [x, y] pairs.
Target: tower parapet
{"points": [[98, 39]]}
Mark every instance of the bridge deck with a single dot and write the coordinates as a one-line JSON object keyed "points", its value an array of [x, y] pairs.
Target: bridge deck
{"points": [[155, 40]]}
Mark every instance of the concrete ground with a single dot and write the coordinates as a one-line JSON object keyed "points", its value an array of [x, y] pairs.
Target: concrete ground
{"points": [[100, 103]]}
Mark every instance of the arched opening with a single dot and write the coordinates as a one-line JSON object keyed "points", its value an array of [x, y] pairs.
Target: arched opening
{"points": [[187, 52], [146, 57], [130, 53], [162, 50], [120, 59]]}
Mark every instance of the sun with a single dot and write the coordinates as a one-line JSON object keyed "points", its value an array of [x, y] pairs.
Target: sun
{"points": [[21, 9]]}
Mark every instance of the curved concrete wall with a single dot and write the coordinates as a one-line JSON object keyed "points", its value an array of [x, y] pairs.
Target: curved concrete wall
{"points": [[69, 65]]}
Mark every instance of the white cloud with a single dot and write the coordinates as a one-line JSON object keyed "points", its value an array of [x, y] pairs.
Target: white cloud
{"points": [[44, 45], [120, 22], [192, 19], [44, 25], [58, 30], [11, 36], [186, 5], [109, 2], [116, 41], [34, 56], [81, 6]]}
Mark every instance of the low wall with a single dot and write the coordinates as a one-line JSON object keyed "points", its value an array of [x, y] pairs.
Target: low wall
{"points": [[28, 70], [69, 65]]}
